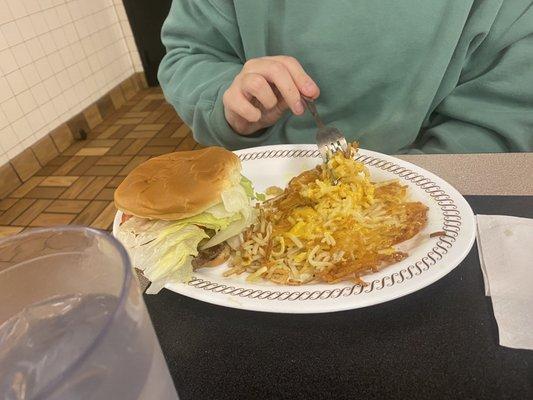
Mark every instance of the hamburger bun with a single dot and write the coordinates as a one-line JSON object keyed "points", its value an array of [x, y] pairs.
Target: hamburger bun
{"points": [[178, 185]]}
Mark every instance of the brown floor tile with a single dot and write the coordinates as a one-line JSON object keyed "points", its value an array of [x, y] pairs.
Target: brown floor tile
{"points": [[92, 115], [9, 201], [102, 142], [91, 212], [149, 127], [25, 164], [92, 151], [139, 114], [106, 194], [165, 141], [63, 181], [82, 167], [105, 106], [114, 182], [135, 147], [77, 187], [76, 146], [45, 192], [139, 107], [141, 134], [168, 130], [93, 188], [27, 186], [154, 115], [168, 116], [105, 219], [108, 131], [122, 132], [187, 144], [156, 150], [129, 121], [52, 219], [131, 165], [45, 150], [68, 165], [113, 160], [15, 210], [62, 137], [31, 213], [120, 147], [104, 170], [59, 160], [6, 231], [77, 125], [182, 131], [46, 171], [117, 97], [67, 206]]}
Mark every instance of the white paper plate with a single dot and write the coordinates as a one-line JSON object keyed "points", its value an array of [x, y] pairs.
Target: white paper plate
{"points": [[428, 261]]}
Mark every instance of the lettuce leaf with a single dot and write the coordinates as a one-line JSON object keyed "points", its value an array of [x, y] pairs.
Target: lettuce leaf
{"points": [[249, 189], [162, 250]]}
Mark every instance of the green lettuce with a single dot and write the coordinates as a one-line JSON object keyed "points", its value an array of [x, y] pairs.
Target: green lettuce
{"points": [[163, 251]]}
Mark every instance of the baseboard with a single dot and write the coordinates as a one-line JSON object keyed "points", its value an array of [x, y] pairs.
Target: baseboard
{"points": [[22, 167]]}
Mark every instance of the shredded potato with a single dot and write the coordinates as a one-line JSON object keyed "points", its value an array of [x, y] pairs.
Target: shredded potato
{"points": [[318, 231]]}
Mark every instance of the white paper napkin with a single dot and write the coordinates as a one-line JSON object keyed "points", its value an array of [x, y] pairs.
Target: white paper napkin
{"points": [[505, 246]]}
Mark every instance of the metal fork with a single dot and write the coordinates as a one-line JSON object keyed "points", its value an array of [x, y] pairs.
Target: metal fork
{"points": [[328, 139]]}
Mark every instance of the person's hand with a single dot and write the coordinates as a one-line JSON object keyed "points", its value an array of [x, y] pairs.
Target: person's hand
{"points": [[264, 89]]}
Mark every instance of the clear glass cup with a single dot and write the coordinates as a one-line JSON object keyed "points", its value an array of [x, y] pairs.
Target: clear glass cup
{"points": [[73, 324]]}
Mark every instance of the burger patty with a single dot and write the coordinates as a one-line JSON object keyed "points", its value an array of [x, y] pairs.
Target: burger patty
{"points": [[212, 256]]}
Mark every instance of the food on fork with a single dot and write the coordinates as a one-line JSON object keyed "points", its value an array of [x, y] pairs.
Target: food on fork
{"points": [[180, 209], [318, 231]]}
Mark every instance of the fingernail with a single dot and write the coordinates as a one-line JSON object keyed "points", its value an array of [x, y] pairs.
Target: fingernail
{"points": [[310, 88], [299, 107]]}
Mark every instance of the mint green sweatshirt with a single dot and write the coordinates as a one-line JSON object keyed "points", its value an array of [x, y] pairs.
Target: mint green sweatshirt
{"points": [[452, 76]]}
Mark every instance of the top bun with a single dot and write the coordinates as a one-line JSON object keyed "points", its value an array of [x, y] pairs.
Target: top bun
{"points": [[178, 185]]}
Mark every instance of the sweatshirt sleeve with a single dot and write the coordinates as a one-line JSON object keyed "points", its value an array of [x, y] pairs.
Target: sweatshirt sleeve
{"points": [[491, 107], [204, 54]]}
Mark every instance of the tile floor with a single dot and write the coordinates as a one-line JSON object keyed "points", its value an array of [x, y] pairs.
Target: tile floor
{"points": [[77, 186]]}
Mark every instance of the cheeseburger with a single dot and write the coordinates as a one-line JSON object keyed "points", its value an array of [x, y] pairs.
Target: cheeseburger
{"points": [[180, 210]]}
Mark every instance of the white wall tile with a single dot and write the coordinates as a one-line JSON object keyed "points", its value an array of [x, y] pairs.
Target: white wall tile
{"points": [[21, 128], [5, 90], [52, 87], [3, 42], [32, 6], [40, 94], [21, 54], [52, 19], [35, 48], [3, 119], [17, 8], [26, 27], [47, 42], [26, 101], [59, 37], [56, 62], [36, 120], [16, 82], [56, 58], [49, 110], [11, 33], [43, 68], [12, 109], [5, 15], [30, 75], [8, 139], [39, 23]]}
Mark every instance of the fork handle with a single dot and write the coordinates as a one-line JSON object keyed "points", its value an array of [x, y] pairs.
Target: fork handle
{"points": [[310, 104]]}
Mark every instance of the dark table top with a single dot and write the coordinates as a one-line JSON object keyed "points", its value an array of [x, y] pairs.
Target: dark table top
{"points": [[440, 343]]}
